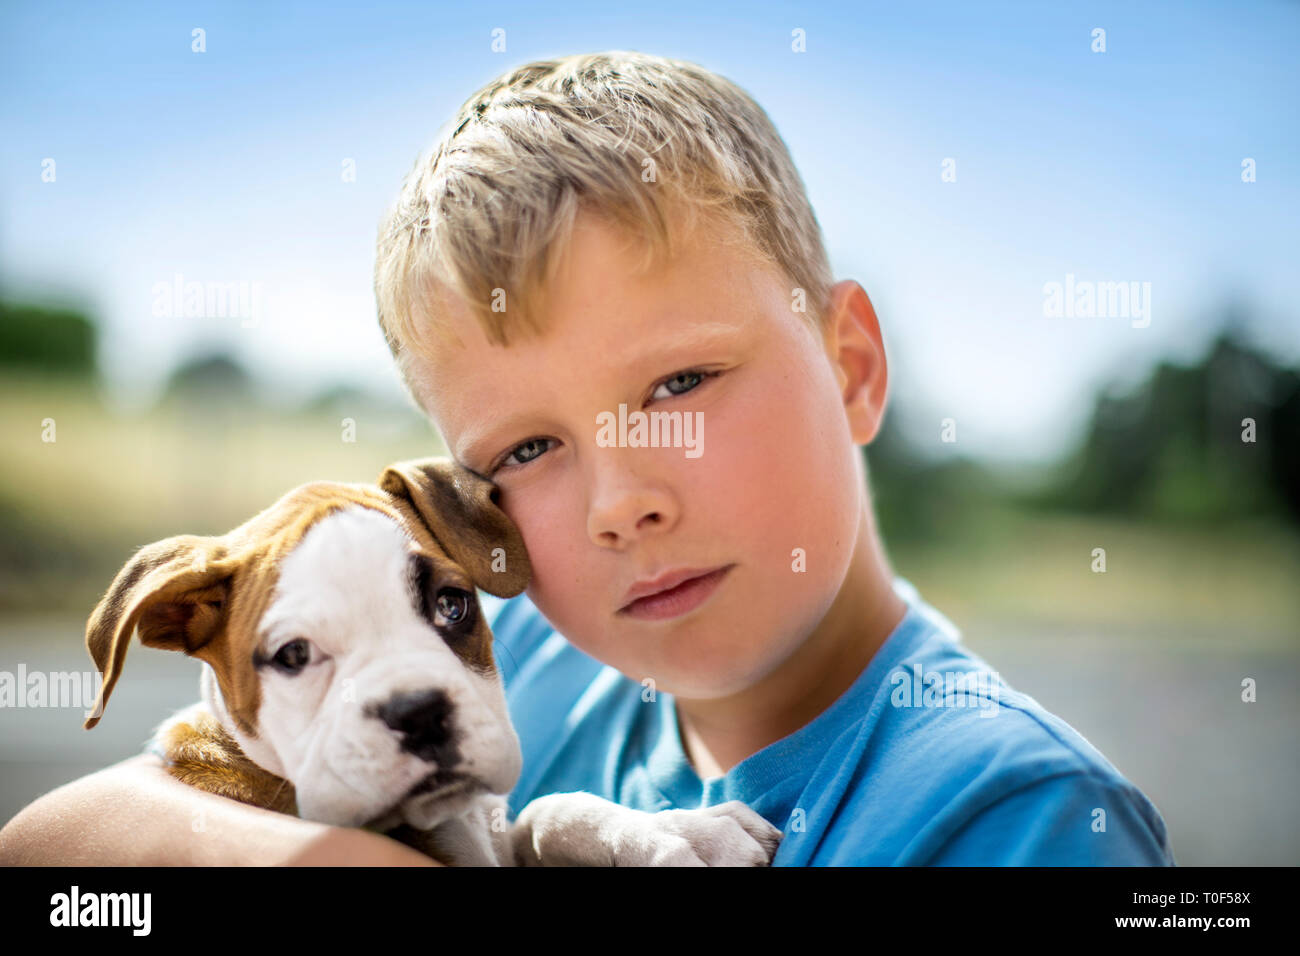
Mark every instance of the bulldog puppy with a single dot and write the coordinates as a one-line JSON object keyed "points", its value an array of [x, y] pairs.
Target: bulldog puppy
{"points": [[349, 678]]}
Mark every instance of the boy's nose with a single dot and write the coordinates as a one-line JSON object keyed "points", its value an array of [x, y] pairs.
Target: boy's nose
{"points": [[625, 507]]}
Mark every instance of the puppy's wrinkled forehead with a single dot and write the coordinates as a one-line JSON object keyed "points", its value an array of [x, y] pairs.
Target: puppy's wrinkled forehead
{"points": [[268, 540], [360, 573]]}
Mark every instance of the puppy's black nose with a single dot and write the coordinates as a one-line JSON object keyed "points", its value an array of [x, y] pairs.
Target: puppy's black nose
{"points": [[423, 718]]}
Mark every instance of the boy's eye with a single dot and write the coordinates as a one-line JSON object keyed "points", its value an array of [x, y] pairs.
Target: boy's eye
{"points": [[679, 384], [527, 451]]}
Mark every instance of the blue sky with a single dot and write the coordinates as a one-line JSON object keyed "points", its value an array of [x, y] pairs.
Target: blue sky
{"points": [[1115, 166]]}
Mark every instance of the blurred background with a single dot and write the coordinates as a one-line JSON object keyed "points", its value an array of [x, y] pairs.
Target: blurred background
{"points": [[189, 198]]}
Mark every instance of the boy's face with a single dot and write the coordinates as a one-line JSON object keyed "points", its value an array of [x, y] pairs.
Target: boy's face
{"points": [[776, 468]]}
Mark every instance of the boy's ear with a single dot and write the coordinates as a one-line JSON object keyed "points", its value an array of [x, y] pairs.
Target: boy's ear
{"points": [[858, 355], [460, 510], [175, 591]]}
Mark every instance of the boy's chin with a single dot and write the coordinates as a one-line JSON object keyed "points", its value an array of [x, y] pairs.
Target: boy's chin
{"points": [[695, 680]]}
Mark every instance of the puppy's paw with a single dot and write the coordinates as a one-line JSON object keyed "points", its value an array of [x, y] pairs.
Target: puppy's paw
{"points": [[729, 834]]}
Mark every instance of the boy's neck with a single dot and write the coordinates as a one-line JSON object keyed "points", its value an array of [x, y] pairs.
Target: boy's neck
{"points": [[721, 732]]}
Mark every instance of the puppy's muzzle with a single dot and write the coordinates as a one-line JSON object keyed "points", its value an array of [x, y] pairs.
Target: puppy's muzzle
{"points": [[423, 721]]}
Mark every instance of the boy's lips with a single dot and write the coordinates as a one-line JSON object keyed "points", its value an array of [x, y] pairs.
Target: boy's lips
{"points": [[673, 592]]}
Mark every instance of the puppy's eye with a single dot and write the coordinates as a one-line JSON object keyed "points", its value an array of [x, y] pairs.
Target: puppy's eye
{"points": [[293, 656], [452, 608]]}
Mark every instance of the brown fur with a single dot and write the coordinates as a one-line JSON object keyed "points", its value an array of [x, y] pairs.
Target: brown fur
{"points": [[201, 754]]}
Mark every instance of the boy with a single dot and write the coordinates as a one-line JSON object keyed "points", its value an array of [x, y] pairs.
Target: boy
{"points": [[712, 615]]}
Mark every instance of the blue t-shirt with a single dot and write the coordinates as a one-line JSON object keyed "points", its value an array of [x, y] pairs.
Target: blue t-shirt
{"points": [[927, 759]]}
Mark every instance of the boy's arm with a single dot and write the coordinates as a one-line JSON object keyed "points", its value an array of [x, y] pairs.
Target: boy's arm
{"points": [[134, 813]]}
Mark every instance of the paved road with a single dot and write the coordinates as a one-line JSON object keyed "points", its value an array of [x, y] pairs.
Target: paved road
{"points": [[1166, 712], [45, 747]]}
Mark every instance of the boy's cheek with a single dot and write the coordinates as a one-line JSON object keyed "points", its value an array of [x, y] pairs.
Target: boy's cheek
{"points": [[542, 527], [758, 479], [570, 574]]}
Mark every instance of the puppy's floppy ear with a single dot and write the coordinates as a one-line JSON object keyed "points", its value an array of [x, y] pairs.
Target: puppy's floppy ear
{"points": [[175, 590], [460, 510]]}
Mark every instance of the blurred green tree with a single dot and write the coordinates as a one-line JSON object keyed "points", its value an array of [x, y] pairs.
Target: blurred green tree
{"points": [[212, 380], [1176, 446], [1172, 448], [51, 341]]}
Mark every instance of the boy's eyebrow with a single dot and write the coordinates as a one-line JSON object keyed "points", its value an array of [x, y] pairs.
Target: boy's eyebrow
{"points": [[699, 336]]}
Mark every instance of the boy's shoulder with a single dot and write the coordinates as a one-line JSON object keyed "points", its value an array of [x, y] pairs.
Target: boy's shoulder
{"points": [[956, 767]]}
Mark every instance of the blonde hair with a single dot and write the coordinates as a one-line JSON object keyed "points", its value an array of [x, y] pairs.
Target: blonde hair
{"points": [[636, 138]]}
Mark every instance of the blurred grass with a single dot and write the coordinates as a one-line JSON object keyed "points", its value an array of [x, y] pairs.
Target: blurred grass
{"points": [[73, 510], [1230, 583]]}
